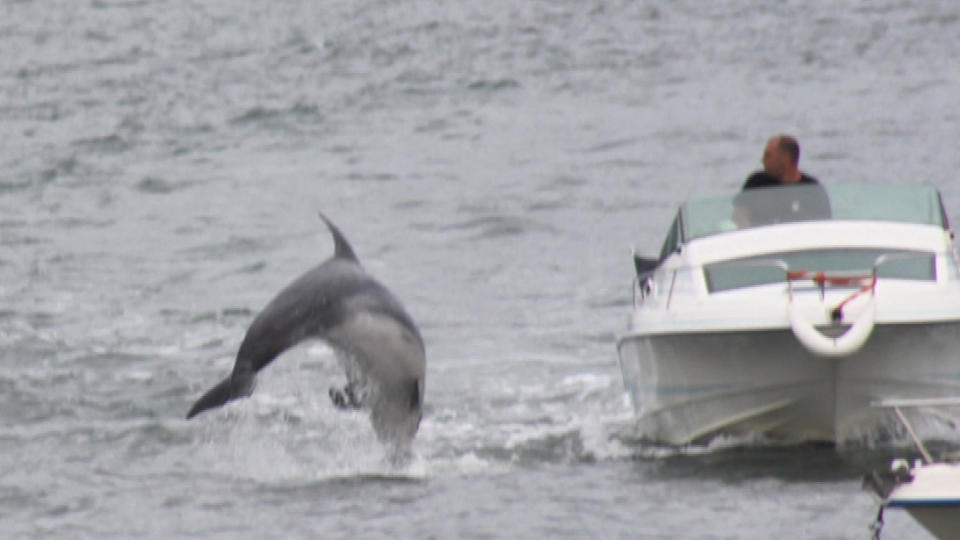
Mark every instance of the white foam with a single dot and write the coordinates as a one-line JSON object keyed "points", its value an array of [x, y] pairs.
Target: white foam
{"points": [[289, 430]]}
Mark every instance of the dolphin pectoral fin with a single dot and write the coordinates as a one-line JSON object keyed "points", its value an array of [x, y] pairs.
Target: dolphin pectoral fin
{"points": [[233, 387]]}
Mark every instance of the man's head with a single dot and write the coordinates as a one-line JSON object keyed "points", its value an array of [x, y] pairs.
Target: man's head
{"points": [[781, 156]]}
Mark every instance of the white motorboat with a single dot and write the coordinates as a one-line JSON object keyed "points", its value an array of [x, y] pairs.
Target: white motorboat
{"points": [[929, 490], [786, 311]]}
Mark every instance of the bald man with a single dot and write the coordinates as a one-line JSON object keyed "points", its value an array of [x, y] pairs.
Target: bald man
{"points": [[781, 157]]}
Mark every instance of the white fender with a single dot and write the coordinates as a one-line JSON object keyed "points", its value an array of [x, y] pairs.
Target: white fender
{"points": [[850, 342]]}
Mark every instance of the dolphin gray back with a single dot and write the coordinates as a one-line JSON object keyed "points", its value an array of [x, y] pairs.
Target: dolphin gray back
{"points": [[317, 302], [311, 306]]}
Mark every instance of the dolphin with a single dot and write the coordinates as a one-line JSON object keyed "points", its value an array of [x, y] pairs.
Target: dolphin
{"points": [[339, 303]]}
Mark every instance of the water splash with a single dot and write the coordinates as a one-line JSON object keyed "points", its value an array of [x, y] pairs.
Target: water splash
{"points": [[289, 429]]}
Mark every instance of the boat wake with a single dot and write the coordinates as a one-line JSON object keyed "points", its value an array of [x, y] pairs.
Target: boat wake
{"points": [[289, 431]]}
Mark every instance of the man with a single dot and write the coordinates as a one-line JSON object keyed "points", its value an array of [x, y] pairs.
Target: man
{"points": [[781, 157]]}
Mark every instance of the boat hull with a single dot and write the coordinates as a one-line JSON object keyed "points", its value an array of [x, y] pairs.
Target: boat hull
{"points": [[932, 497], [942, 521], [689, 387]]}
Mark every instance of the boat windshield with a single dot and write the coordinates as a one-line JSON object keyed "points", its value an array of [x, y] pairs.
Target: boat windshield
{"points": [[766, 206]]}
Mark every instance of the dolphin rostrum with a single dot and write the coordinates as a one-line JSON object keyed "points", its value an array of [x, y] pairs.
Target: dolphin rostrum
{"points": [[339, 303]]}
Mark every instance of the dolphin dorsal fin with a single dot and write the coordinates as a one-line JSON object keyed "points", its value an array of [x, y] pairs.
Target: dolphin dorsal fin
{"points": [[341, 248]]}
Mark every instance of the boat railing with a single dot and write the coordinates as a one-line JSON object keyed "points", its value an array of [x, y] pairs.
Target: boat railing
{"points": [[865, 279], [821, 278], [856, 336], [862, 281]]}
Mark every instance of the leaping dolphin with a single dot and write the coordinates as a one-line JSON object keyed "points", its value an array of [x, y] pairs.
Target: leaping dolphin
{"points": [[339, 303]]}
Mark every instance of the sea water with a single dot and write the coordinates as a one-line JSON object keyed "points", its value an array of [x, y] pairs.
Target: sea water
{"points": [[493, 163]]}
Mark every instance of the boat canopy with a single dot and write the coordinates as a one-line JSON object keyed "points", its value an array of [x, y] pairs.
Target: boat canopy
{"points": [[771, 205]]}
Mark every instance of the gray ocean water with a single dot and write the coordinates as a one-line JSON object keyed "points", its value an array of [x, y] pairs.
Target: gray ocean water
{"points": [[161, 168]]}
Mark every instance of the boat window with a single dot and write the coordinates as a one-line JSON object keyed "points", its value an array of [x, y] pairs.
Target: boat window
{"points": [[760, 270], [852, 202]]}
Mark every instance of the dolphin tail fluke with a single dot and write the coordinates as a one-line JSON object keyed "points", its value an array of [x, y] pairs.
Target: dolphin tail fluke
{"points": [[233, 387]]}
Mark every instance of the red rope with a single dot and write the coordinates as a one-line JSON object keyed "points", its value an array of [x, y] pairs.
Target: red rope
{"points": [[821, 279], [863, 289]]}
